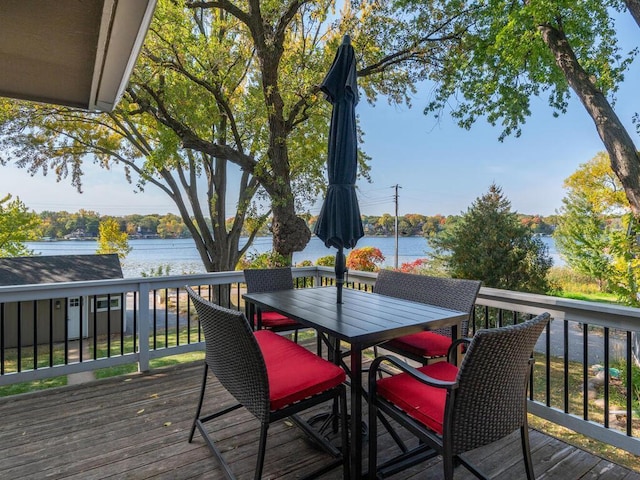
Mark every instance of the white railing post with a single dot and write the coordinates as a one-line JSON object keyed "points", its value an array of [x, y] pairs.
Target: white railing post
{"points": [[144, 317]]}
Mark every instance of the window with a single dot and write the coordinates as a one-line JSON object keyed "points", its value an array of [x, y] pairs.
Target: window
{"points": [[104, 303]]}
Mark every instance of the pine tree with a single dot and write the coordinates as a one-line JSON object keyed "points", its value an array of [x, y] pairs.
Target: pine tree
{"points": [[582, 238], [489, 243]]}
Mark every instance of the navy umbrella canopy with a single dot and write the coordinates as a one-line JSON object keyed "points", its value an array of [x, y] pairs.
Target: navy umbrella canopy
{"points": [[339, 224]]}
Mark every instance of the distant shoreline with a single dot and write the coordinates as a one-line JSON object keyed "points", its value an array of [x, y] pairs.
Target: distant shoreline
{"points": [[149, 237]]}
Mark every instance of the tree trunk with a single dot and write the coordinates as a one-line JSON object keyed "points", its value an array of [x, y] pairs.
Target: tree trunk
{"points": [[622, 151], [634, 9], [290, 232]]}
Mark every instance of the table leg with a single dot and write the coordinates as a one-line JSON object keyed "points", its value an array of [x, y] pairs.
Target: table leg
{"points": [[250, 312], [355, 447]]}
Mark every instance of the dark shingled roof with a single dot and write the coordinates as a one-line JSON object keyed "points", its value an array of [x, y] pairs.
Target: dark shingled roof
{"points": [[58, 268]]}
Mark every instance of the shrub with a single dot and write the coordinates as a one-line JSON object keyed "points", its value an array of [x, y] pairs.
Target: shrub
{"points": [[268, 259], [365, 259], [417, 266], [326, 261]]}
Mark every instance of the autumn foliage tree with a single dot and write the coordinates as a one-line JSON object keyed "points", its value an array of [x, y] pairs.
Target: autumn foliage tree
{"points": [[230, 90], [417, 266], [111, 239], [595, 231], [365, 259]]}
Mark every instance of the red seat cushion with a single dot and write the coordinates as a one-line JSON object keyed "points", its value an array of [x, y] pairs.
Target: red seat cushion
{"points": [[420, 401], [294, 372], [425, 344], [275, 319]]}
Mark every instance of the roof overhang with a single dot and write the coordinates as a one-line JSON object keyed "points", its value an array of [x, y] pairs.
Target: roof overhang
{"points": [[77, 53]]}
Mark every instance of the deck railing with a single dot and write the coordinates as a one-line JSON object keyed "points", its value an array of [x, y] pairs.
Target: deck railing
{"points": [[582, 378], [152, 318]]}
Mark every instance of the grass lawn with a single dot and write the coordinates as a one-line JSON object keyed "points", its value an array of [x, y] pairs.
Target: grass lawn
{"points": [[617, 396]]}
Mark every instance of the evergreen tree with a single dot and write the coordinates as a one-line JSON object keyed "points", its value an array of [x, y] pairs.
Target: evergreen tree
{"points": [[582, 237], [489, 243]]}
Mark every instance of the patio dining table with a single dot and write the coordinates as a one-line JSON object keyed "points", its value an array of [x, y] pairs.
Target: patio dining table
{"points": [[362, 320]]}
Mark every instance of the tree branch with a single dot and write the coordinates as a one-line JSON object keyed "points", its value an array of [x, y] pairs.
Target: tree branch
{"points": [[634, 9], [220, 100], [223, 5], [188, 137]]}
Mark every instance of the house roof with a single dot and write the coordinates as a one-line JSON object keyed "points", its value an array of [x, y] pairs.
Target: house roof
{"points": [[58, 268], [78, 53]]}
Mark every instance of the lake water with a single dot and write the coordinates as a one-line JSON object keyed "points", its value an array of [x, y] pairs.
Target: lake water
{"points": [[182, 256]]}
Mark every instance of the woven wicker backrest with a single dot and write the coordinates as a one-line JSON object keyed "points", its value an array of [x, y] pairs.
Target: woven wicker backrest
{"points": [[233, 355], [490, 402], [453, 293], [268, 280]]}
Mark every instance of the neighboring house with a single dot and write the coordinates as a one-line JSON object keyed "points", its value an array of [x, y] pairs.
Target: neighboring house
{"points": [[77, 234], [62, 317]]}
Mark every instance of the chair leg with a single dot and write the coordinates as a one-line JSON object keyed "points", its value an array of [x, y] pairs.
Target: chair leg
{"points": [[375, 355], [262, 448], [448, 464], [373, 437], [202, 388], [448, 460], [526, 452]]}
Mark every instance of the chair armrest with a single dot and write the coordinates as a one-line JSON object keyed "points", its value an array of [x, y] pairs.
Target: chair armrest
{"points": [[454, 345], [409, 370]]}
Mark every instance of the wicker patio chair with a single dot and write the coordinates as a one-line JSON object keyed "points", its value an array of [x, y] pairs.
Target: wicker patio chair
{"points": [[455, 294], [453, 411], [269, 375], [271, 280]]}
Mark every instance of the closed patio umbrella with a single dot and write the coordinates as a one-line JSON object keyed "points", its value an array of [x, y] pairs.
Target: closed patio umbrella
{"points": [[339, 224]]}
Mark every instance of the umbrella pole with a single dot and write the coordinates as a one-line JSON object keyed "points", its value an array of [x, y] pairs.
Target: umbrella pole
{"points": [[340, 268]]}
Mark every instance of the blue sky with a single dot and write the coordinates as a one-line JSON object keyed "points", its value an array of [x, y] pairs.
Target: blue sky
{"points": [[443, 168], [440, 167]]}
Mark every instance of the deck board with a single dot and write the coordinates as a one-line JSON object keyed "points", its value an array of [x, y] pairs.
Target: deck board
{"points": [[136, 427]]}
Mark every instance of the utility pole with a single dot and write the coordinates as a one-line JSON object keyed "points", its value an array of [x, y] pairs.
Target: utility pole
{"points": [[396, 187]]}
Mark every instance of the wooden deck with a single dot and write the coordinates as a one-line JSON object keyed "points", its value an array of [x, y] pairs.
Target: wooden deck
{"points": [[136, 427]]}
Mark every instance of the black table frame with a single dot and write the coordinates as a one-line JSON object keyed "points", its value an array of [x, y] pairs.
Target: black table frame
{"points": [[362, 320]]}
